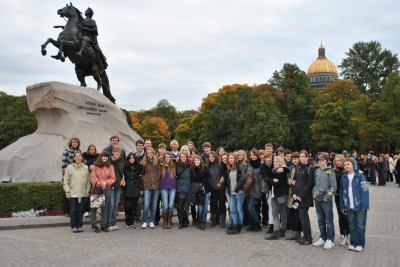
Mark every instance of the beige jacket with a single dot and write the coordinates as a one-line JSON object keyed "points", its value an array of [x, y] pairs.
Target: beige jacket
{"points": [[77, 180]]}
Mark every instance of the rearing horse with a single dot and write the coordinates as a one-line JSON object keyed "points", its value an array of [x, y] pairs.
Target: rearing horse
{"points": [[68, 43]]}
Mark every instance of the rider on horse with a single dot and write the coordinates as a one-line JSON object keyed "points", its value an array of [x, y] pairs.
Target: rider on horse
{"points": [[89, 38]]}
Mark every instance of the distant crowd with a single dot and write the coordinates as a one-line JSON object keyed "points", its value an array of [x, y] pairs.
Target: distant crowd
{"points": [[257, 188]]}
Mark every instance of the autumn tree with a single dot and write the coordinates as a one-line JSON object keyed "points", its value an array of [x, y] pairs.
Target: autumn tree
{"points": [[156, 130], [369, 65]]}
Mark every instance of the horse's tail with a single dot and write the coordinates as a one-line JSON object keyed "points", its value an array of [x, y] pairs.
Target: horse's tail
{"points": [[106, 86]]}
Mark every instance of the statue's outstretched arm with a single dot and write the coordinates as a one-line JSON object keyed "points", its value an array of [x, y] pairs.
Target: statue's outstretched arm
{"points": [[59, 26]]}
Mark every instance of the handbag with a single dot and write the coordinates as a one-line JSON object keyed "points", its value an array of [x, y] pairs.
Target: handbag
{"points": [[97, 201], [250, 181]]}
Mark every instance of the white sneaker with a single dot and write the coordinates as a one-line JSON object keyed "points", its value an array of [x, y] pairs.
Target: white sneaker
{"points": [[343, 240], [348, 240], [110, 228], [86, 214], [152, 225], [116, 227], [144, 225], [358, 249], [329, 244], [351, 247], [127, 226], [319, 243]]}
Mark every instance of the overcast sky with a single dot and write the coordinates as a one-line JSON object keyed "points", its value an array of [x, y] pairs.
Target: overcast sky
{"points": [[184, 50]]}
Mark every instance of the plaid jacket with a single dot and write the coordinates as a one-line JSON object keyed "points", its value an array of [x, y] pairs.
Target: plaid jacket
{"points": [[68, 154]]}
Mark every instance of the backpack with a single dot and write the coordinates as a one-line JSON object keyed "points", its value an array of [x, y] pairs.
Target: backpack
{"points": [[250, 181]]}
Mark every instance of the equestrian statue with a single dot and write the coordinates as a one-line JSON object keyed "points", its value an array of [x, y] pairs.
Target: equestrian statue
{"points": [[78, 42]]}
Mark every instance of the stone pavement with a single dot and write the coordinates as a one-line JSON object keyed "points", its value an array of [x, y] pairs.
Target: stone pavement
{"points": [[58, 246]]}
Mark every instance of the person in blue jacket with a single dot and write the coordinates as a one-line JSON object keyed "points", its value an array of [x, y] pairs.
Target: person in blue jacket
{"points": [[354, 200]]}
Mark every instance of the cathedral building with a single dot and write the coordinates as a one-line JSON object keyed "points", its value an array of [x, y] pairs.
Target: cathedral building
{"points": [[322, 71]]}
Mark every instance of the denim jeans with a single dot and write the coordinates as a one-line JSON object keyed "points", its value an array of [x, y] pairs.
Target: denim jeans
{"points": [[76, 212], [168, 197], [237, 208], [250, 208], [357, 225], [202, 208], [325, 219], [112, 210], [372, 177], [150, 195]]}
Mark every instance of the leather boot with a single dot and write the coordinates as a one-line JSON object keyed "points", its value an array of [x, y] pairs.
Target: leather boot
{"points": [[164, 216], [230, 227], [169, 220], [270, 229], [223, 218], [257, 227], [239, 228], [282, 232], [273, 236], [214, 220], [185, 222], [180, 223], [295, 235], [203, 225], [233, 231], [251, 227], [194, 222], [199, 224]]}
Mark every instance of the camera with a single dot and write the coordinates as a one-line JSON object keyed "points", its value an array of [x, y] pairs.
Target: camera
{"points": [[296, 205]]}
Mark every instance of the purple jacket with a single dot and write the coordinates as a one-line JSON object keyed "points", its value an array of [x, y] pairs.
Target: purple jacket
{"points": [[167, 182]]}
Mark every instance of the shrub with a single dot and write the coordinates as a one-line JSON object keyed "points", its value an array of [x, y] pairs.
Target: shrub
{"points": [[15, 197]]}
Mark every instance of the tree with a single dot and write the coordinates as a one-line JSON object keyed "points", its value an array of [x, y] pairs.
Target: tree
{"points": [[369, 66], [341, 112], [156, 130], [16, 120], [128, 119], [294, 99]]}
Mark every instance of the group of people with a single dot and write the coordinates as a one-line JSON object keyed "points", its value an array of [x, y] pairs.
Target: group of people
{"points": [[263, 188]]}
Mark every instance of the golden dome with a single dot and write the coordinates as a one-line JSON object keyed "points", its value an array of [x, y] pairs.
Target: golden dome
{"points": [[321, 47], [322, 65]]}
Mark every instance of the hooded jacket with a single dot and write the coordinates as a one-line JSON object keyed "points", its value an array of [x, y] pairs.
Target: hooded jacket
{"points": [[360, 192], [324, 184], [76, 180], [133, 184]]}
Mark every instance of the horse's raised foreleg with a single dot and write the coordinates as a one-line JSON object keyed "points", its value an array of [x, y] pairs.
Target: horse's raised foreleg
{"points": [[59, 56], [50, 40], [80, 73]]}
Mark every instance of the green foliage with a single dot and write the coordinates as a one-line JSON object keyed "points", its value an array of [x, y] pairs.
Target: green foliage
{"points": [[15, 119], [369, 66], [128, 118], [15, 197]]}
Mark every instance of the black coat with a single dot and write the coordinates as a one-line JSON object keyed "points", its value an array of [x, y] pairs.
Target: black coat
{"points": [[240, 178], [202, 177], [339, 173], [133, 182], [183, 180], [280, 187], [266, 172], [90, 159], [304, 178]]}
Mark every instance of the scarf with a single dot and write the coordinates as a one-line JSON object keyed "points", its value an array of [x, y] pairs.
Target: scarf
{"points": [[255, 163], [138, 154]]}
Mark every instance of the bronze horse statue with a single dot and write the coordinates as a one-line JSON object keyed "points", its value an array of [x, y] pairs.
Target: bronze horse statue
{"points": [[78, 42]]}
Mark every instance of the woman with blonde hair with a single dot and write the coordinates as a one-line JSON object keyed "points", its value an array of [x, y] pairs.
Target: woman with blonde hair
{"points": [[151, 186], [279, 198], [168, 187], [184, 149], [77, 188], [242, 158]]}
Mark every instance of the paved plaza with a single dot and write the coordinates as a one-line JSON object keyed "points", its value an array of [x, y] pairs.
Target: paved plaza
{"points": [[58, 246]]}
